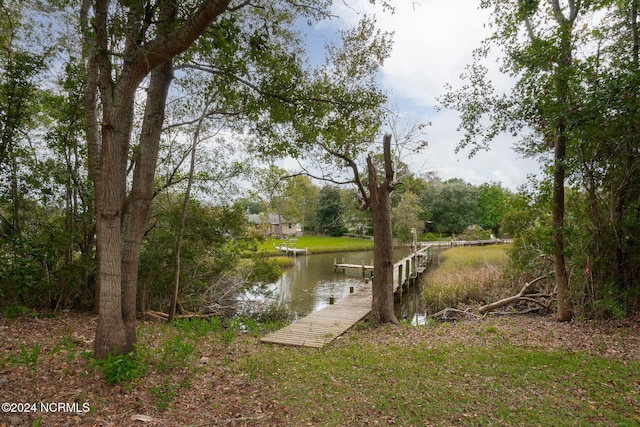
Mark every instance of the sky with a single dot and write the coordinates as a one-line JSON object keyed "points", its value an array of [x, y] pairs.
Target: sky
{"points": [[433, 42]]}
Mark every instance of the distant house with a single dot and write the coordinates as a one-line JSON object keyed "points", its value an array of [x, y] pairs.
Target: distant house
{"points": [[275, 225]]}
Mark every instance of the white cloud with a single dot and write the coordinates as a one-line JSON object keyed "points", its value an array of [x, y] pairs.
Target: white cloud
{"points": [[433, 43], [500, 164]]}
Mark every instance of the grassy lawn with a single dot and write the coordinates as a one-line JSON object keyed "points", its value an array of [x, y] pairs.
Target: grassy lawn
{"points": [[452, 382], [319, 244]]}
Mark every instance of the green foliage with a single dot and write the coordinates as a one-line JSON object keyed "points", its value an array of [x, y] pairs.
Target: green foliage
{"points": [[264, 269], [120, 368], [164, 394], [198, 327], [29, 357], [68, 346], [493, 205], [452, 205], [582, 102], [175, 353], [14, 310], [406, 216], [329, 212], [213, 241]]}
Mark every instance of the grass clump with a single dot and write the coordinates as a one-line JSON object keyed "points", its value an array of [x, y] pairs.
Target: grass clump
{"points": [[284, 261], [467, 275]]}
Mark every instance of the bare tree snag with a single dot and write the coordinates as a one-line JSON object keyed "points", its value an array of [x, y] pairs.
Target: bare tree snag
{"points": [[515, 299]]}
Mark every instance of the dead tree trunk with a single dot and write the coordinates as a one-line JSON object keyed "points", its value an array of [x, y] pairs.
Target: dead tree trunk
{"points": [[515, 299], [380, 207]]}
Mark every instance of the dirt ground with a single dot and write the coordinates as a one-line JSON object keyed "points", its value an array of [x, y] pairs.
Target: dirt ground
{"points": [[75, 395]]}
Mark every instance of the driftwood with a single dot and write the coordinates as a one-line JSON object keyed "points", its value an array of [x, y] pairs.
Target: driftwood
{"points": [[522, 296]]}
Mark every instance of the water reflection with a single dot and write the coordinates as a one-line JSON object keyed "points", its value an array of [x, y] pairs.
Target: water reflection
{"points": [[312, 281]]}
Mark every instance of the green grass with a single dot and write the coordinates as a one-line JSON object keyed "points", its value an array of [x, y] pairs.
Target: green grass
{"points": [[284, 261], [320, 244], [472, 257], [467, 275], [361, 383]]}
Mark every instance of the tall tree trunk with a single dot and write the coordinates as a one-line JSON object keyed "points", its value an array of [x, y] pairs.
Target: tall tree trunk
{"points": [[563, 313], [116, 129], [380, 207], [119, 221], [138, 203]]}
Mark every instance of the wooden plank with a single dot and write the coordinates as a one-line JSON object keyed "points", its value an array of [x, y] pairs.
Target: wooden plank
{"points": [[323, 326], [358, 266]]}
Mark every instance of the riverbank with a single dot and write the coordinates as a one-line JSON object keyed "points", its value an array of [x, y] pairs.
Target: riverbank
{"points": [[316, 244], [493, 371]]}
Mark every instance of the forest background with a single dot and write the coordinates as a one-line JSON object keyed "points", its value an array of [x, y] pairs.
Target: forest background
{"points": [[574, 107]]}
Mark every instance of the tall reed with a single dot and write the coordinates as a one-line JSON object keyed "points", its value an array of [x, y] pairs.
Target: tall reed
{"points": [[466, 276]]}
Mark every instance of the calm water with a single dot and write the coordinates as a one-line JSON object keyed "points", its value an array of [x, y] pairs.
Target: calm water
{"points": [[311, 282]]}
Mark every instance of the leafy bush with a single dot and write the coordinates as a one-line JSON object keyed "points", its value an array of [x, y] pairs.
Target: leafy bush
{"points": [[120, 368]]}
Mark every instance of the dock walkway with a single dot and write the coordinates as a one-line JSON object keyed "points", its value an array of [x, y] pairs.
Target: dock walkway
{"points": [[323, 326]]}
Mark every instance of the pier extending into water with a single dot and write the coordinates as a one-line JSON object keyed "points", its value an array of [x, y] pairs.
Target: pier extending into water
{"points": [[289, 247], [325, 325]]}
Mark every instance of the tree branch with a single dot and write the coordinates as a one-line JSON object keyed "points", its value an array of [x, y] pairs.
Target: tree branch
{"points": [[356, 174], [520, 296]]}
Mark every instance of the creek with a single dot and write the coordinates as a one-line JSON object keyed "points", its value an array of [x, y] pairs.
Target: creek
{"points": [[309, 284]]}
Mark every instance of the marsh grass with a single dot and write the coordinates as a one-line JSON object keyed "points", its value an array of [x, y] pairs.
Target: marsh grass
{"points": [[466, 276], [284, 261]]}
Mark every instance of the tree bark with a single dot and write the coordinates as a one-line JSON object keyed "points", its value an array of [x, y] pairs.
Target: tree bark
{"points": [[380, 207], [563, 313], [120, 221], [138, 203]]}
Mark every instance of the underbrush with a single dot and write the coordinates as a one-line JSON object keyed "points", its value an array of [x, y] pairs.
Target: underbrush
{"points": [[466, 276]]}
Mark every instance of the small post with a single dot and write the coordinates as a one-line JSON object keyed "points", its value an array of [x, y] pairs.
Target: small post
{"points": [[351, 289], [331, 300]]}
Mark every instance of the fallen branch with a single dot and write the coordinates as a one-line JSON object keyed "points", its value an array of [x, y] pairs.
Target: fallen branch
{"points": [[515, 299], [158, 315], [444, 314]]}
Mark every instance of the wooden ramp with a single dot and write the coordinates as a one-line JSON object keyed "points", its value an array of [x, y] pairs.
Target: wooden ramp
{"points": [[325, 325]]}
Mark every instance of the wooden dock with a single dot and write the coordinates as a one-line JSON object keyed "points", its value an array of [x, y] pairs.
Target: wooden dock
{"points": [[289, 247], [289, 250], [325, 325]]}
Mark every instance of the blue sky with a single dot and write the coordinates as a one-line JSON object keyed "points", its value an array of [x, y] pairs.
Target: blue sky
{"points": [[433, 42]]}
